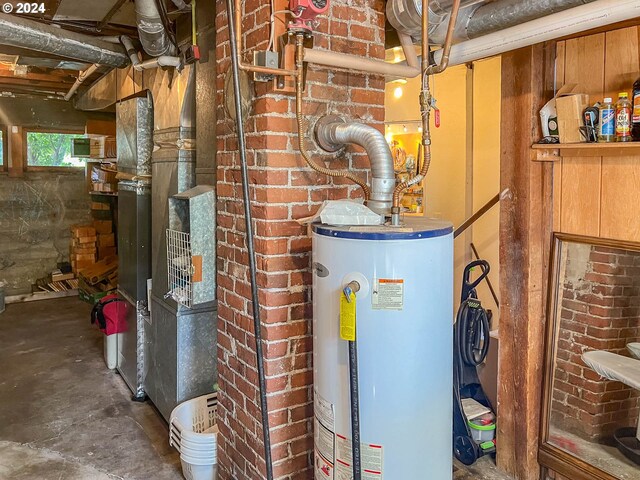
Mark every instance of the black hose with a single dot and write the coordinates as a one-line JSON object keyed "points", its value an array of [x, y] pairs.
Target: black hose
{"points": [[355, 411], [472, 332], [257, 323]]}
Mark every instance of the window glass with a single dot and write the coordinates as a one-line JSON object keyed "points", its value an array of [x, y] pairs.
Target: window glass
{"points": [[46, 149]]}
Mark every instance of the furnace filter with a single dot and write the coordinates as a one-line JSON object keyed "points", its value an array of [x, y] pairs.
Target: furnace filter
{"points": [[404, 324]]}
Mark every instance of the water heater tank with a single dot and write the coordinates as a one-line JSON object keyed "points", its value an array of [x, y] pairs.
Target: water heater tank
{"points": [[404, 315]]}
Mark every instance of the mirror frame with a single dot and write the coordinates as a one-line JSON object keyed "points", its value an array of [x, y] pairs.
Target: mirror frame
{"points": [[550, 456]]}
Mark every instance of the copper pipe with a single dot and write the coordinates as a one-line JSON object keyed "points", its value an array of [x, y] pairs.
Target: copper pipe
{"points": [[446, 50], [426, 100], [279, 72], [300, 121]]}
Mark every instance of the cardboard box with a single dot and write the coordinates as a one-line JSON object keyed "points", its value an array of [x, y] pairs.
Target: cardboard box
{"points": [[106, 240], [562, 116], [103, 226]]}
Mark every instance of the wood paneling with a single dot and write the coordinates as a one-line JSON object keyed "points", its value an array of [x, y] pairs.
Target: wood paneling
{"points": [[592, 194], [620, 198]]}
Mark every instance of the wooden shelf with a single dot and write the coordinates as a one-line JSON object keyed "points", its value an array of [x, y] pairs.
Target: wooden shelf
{"points": [[555, 151]]}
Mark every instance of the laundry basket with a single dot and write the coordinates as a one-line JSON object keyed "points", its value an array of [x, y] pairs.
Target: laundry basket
{"points": [[193, 432]]}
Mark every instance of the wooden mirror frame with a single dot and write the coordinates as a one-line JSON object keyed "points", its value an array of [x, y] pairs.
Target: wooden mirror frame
{"points": [[550, 456]]}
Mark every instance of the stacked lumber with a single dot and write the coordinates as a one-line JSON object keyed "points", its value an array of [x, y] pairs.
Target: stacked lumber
{"points": [[106, 238], [83, 248], [100, 277], [103, 178]]}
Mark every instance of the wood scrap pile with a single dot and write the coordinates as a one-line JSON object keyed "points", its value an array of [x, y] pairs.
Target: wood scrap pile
{"points": [[99, 277], [60, 280]]}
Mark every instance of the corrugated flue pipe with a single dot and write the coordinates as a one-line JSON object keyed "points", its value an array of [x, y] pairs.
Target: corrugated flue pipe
{"points": [[153, 36], [334, 133]]}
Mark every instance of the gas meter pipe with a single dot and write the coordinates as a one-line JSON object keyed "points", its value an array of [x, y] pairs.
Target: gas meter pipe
{"points": [[257, 323], [301, 146]]}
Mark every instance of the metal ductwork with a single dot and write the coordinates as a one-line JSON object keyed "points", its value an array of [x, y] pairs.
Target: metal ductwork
{"points": [[477, 18], [333, 133], [20, 32], [153, 35]]}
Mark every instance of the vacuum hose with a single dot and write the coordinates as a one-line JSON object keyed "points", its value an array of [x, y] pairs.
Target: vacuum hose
{"points": [[257, 323], [300, 120], [472, 332]]}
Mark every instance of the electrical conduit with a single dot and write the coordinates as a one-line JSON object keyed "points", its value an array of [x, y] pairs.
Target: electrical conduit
{"points": [[257, 322]]}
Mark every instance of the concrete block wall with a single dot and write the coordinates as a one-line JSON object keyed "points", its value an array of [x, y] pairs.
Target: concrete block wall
{"points": [[36, 213], [283, 190], [601, 311]]}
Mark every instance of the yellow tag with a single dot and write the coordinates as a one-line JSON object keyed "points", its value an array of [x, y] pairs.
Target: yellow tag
{"points": [[348, 318]]}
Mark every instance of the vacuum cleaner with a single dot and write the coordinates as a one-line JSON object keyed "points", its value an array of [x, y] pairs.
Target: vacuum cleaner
{"points": [[473, 415]]}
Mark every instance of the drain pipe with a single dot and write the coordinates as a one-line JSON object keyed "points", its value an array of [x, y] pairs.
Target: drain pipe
{"points": [[82, 76], [255, 300], [132, 53]]}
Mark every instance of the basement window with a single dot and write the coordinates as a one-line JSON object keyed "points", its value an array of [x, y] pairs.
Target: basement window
{"points": [[51, 149]]}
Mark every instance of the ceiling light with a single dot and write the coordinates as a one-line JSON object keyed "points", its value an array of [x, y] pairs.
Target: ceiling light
{"points": [[398, 92]]}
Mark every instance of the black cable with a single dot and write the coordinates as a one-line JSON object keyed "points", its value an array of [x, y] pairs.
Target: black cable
{"points": [[355, 411], [473, 332], [257, 323]]}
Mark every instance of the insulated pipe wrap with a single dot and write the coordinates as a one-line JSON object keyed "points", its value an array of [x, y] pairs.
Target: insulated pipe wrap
{"points": [[20, 32], [503, 14], [339, 134], [153, 36]]}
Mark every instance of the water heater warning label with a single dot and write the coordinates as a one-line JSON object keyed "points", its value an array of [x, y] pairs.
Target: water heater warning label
{"points": [[371, 457], [388, 294]]}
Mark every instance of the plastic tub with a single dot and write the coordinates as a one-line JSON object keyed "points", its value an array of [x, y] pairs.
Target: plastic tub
{"points": [[483, 428], [198, 472]]}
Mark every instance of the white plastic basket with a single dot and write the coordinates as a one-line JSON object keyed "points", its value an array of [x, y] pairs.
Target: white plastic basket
{"points": [[193, 432]]}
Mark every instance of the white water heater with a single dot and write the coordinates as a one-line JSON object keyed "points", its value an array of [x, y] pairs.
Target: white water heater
{"points": [[404, 315]]}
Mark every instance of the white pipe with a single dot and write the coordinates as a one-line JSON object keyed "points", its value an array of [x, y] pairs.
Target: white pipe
{"points": [[568, 22], [161, 61], [358, 63], [82, 76], [409, 50]]}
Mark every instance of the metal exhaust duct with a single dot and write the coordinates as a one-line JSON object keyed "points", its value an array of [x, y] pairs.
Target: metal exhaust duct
{"points": [[333, 133], [153, 36], [476, 17], [20, 32]]}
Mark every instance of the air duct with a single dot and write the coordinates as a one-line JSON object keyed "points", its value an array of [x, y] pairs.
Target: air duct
{"points": [[20, 32], [476, 18], [333, 133], [153, 35]]}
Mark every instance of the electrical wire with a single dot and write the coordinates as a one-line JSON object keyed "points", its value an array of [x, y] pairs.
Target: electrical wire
{"points": [[272, 33]]}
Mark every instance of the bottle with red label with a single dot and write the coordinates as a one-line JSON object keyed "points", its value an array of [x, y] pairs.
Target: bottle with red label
{"points": [[635, 128], [623, 118]]}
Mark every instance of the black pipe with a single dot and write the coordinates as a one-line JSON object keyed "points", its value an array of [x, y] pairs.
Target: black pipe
{"points": [[257, 323], [355, 411]]}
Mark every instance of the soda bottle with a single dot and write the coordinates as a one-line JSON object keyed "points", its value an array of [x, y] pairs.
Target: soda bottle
{"points": [[623, 118], [607, 128], [635, 129]]}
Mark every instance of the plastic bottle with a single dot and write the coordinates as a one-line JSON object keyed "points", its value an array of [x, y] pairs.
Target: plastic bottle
{"points": [[635, 129], [607, 128], [623, 118]]}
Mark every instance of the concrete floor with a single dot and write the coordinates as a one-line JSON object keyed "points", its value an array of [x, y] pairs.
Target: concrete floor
{"points": [[63, 414]]}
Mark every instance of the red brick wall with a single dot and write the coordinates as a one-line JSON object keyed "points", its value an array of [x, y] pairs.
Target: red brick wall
{"points": [[599, 311], [283, 190]]}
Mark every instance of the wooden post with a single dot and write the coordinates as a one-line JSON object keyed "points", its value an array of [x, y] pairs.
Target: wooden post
{"points": [[525, 236]]}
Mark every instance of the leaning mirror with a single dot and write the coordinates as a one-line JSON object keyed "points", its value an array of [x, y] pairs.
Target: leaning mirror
{"points": [[591, 398]]}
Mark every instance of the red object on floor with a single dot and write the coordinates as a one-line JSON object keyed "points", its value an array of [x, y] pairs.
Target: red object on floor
{"points": [[110, 315]]}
